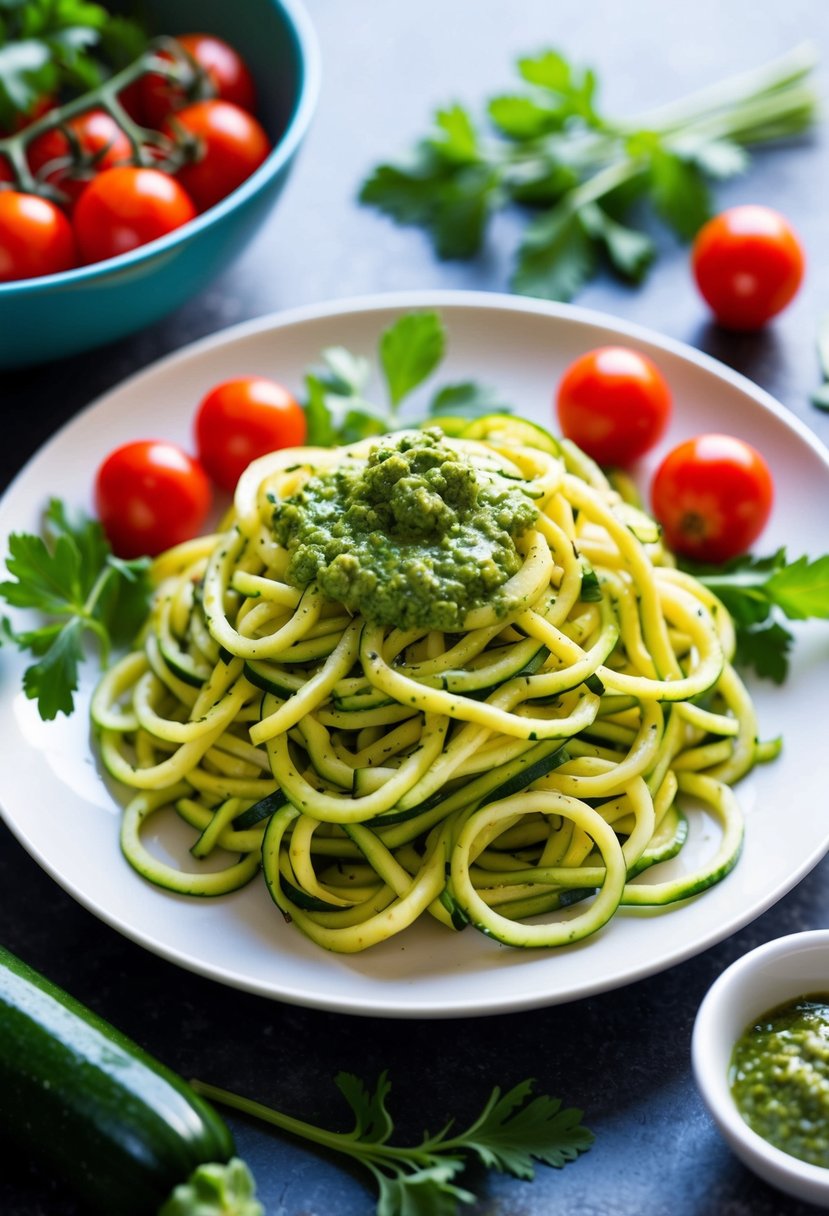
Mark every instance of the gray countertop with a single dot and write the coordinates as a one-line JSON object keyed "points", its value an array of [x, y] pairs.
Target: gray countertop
{"points": [[622, 1056]]}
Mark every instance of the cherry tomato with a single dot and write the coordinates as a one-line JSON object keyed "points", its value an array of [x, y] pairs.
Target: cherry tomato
{"points": [[35, 237], [614, 403], [713, 496], [98, 135], [225, 69], [149, 496], [232, 145], [6, 174], [748, 264], [240, 420], [125, 207]]}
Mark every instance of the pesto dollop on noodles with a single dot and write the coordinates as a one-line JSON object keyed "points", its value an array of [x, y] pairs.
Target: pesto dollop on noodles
{"points": [[415, 535]]}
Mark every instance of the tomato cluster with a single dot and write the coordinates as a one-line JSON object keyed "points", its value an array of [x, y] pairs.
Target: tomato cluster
{"points": [[111, 204], [711, 494], [151, 494]]}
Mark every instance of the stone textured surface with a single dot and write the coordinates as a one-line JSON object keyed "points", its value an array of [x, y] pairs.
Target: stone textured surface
{"points": [[623, 1056]]}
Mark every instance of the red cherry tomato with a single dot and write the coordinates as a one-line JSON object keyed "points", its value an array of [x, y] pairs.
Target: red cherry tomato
{"points": [[713, 496], [35, 237], [614, 404], [232, 145], [240, 420], [97, 134], [748, 264], [6, 174], [149, 496], [225, 69], [125, 207]]}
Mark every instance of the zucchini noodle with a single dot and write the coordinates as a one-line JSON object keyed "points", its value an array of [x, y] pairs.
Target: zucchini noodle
{"points": [[516, 773]]}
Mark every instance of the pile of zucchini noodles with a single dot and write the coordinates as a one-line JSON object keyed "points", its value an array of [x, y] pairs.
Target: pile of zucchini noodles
{"points": [[516, 776]]}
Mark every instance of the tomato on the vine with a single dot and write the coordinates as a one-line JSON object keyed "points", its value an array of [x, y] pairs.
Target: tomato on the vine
{"points": [[224, 67], [240, 420], [149, 496], [97, 135], [614, 403], [748, 264], [35, 237], [231, 144], [713, 496], [125, 207]]}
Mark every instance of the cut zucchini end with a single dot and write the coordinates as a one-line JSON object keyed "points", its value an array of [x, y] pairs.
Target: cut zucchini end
{"points": [[215, 1190]]}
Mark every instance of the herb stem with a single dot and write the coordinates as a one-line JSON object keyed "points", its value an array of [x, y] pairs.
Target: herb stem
{"points": [[340, 1142], [769, 79]]}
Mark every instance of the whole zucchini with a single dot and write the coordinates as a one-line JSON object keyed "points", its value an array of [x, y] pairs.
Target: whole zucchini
{"points": [[122, 1130]]}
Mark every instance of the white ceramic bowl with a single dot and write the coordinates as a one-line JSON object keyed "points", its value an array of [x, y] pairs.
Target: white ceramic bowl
{"points": [[771, 975]]}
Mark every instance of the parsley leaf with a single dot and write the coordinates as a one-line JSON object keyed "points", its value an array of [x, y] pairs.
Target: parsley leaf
{"points": [[338, 408], [47, 46], [71, 575], [512, 1133], [410, 350], [761, 592], [546, 144]]}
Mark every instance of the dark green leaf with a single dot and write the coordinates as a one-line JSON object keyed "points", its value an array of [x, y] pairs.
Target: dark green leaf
{"points": [[539, 182], [424, 1192], [373, 1122], [556, 257], [468, 399], [53, 680], [70, 574], [452, 202], [513, 1132], [410, 350], [320, 429], [765, 649], [629, 250], [820, 398], [679, 192]]}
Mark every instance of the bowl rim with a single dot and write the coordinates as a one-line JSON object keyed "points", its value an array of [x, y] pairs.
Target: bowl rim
{"points": [[791, 1173], [309, 63]]}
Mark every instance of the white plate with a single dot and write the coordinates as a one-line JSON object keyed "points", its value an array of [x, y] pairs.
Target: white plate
{"points": [[54, 800]]}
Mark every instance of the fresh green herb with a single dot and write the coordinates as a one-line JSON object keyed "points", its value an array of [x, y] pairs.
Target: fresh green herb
{"points": [[820, 398], [512, 1132], [759, 593], [216, 1190], [583, 174], [48, 46], [337, 407], [71, 576]]}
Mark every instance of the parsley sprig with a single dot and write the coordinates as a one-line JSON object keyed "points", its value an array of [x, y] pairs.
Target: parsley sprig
{"points": [[338, 408], [72, 577], [583, 174], [760, 593], [50, 46], [513, 1131]]}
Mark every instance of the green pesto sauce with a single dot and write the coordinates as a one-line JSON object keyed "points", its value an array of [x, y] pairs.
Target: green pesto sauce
{"points": [[414, 536], [780, 1078]]}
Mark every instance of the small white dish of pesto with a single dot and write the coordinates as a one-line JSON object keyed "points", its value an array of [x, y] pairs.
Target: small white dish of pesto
{"points": [[761, 1061]]}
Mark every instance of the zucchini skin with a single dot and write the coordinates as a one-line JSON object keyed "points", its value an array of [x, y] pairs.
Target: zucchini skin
{"points": [[90, 1105]]}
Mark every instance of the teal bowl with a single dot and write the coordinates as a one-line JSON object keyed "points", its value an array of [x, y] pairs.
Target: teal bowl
{"points": [[62, 314]]}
